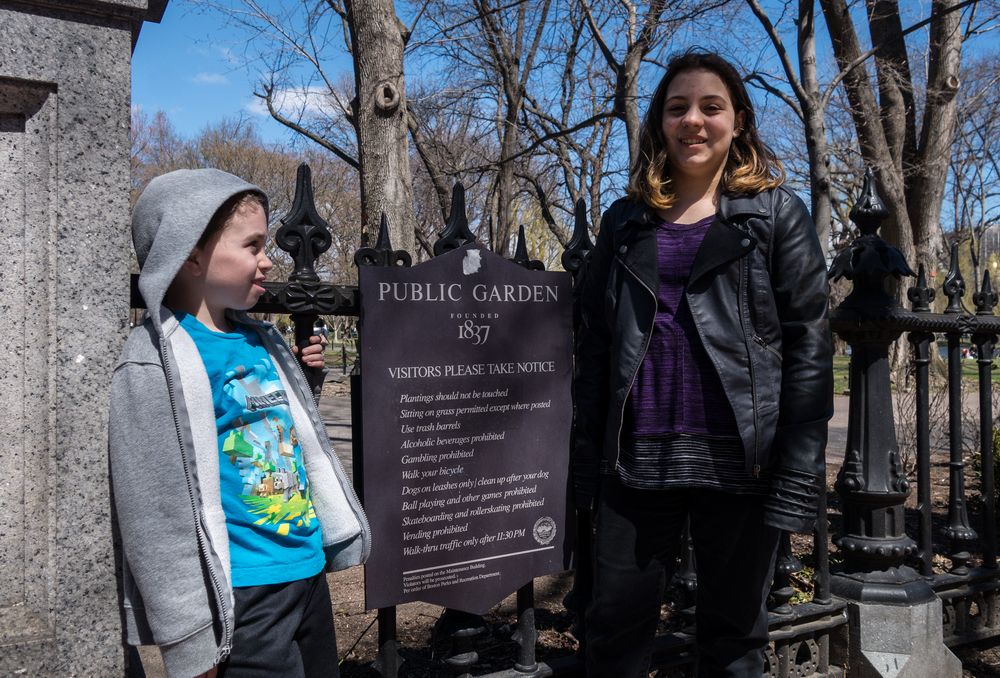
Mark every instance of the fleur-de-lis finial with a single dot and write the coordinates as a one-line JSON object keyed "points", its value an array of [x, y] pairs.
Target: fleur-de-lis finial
{"points": [[579, 244], [869, 211], [303, 233], [954, 283], [985, 299], [920, 295], [382, 254]]}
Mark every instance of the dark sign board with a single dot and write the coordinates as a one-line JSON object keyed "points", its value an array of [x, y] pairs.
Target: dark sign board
{"points": [[466, 362]]}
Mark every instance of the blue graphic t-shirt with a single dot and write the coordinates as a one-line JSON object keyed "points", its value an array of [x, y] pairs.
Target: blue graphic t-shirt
{"points": [[274, 535]]}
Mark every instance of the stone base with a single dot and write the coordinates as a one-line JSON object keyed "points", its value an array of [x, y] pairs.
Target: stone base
{"points": [[899, 641]]}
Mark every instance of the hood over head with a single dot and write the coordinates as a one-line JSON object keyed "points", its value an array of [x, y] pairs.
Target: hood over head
{"points": [[168, 220]]}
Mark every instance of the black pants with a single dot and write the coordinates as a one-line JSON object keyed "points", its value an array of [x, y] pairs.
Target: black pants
{"points": [[283, 631], [638, 535]]}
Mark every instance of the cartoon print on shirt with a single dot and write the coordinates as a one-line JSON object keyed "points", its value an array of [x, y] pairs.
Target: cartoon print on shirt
{"points": [[264, 447]]}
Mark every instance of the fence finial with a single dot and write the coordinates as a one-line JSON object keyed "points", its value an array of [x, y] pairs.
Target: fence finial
{"points": [[920, 295], [382, 254], [521, 253], [869, 260], [954, 283], [456, 230], [579, 244], [985, 299], [869, 211], [303, 233]]}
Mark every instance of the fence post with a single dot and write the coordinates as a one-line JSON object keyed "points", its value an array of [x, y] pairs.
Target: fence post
{"points": [[574, 259], [388, 661], [985, 299], [305, 235], [958, 531], [894, 615]]}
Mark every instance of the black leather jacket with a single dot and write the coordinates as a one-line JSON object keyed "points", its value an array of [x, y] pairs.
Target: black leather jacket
{"points": [[759, 296]]}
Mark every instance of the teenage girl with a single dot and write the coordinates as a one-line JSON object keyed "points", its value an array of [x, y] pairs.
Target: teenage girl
{"points": [[704, 381]]}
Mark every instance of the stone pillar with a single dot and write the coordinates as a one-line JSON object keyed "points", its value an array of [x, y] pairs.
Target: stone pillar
{"points": [[64, 229]]}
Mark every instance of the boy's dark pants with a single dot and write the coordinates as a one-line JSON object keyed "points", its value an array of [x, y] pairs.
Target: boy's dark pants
{"points": [[636, 546], [283, 630]]}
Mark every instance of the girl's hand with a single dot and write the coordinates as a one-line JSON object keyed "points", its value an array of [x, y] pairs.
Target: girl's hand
{"points": [[209, 674], [312, 355]]}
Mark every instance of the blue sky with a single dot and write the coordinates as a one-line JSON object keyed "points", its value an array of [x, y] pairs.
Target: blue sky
{"points": [[192, 67]]}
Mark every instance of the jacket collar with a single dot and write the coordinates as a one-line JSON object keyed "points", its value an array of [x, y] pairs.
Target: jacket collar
{"points": [[731, 205], [724, 241]]}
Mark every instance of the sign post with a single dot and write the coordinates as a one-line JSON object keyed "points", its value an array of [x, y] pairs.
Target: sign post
{"points": [[467, 365]]}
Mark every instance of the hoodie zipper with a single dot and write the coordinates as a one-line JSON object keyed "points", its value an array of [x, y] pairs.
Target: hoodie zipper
{"points": [[635, 372], [202, 547]]}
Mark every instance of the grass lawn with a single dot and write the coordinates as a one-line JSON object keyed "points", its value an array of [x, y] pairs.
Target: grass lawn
{"points": [[970, 370], [841, 370], [842, 366]]}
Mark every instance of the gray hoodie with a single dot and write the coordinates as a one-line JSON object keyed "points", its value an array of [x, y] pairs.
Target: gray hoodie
{"points": [[164, 447]]}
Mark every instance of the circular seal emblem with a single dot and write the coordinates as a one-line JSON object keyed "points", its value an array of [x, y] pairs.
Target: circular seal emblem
{"points": [[544, 531]]}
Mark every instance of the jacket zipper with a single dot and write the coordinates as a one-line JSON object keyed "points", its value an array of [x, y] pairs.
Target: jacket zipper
{"points": [[741, 291], [635, 372], [332, 458], [760, 340], [202, 547]]}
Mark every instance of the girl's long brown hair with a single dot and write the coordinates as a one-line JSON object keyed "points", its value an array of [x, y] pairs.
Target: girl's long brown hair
{"points": [[751, 166]]}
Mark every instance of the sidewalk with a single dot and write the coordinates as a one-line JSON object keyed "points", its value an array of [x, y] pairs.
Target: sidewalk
{"points": [[836, 442]]}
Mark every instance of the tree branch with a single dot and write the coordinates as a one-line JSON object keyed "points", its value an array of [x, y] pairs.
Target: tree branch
{"points": [[333, 148], [779, 47], [541, 140], [864, 56], [758, 80], [595, 31]]}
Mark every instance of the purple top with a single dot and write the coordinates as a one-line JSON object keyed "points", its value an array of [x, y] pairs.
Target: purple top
{"points": [[677, 389]]}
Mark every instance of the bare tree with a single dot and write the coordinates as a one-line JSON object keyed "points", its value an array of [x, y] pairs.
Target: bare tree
{"points": [[301, 88], [808, 103], [911, 163], [974, 170], [379, 115], [236, 147]]}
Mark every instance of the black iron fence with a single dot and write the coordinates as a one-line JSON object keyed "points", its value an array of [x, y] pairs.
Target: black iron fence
{"points": [[872, 483], [872, 487]]}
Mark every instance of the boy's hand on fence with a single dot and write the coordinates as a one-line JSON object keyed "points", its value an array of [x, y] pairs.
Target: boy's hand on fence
{"points": [[312, 355]]}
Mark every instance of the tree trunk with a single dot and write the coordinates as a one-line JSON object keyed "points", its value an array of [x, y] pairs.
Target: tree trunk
{"points": [[505, 183], [629, 85], [865, 111], [895, 82], [815, 126], [381, 121], [938, 130]]}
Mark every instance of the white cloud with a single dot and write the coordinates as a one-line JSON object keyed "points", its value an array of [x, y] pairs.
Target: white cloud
{"points": [[228, 55], [210, 79], [293, 102]]}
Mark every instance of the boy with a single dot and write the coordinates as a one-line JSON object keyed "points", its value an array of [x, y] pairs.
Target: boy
{"points": [[230, 502]]}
